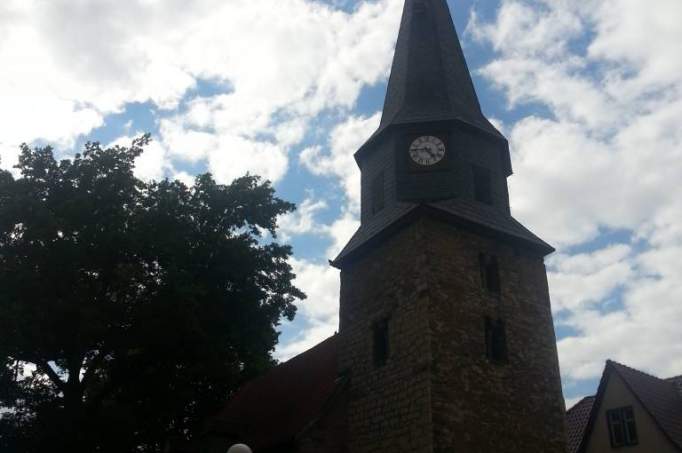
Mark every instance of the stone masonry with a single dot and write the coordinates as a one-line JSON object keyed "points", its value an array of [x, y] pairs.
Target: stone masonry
{"points": [[389, 408], [438, 392]]}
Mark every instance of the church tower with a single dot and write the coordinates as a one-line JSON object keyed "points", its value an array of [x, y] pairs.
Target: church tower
{"points": [[446, 333]]}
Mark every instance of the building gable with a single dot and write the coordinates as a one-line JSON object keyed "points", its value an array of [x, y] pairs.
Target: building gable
{"points": [[656, 406]]}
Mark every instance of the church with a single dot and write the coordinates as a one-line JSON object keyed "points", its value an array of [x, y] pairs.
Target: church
{"points": [[445, 341]]}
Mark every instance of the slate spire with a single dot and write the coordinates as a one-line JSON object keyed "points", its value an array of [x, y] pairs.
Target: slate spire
{"points": [[431, 97], [430, 80]]}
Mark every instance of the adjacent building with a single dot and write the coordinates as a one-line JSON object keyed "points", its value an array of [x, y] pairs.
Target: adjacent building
{"points": [[632, 412]]}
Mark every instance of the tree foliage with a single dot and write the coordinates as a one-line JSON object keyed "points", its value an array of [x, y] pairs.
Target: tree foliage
{"points": [[130, 310]]}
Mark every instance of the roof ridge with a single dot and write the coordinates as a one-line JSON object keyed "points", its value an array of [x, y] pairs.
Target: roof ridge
{"points": [[580, 401], [283, 365], [300, 355], [613, 362]]}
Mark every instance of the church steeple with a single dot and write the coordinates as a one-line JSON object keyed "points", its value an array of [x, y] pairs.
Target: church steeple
{"points": [[434, 149], [429, 79], [445, 326]]}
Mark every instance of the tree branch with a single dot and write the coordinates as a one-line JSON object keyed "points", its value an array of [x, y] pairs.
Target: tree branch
{"points": [[51, 373], [93, 365]]}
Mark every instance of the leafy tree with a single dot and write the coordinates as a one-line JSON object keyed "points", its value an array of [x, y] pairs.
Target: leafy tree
{"points": [[130, 310]]}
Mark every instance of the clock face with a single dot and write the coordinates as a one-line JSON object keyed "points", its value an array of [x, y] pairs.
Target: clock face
{"points": [[427, 150]]}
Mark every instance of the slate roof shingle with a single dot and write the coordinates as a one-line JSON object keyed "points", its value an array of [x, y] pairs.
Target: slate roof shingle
{"points": [[492, 218], [677, 382], [469, 213], [430, 80]]}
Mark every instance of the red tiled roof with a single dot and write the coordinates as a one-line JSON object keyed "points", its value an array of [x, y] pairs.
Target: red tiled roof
{"points": [[576, 421], [273, 409]]}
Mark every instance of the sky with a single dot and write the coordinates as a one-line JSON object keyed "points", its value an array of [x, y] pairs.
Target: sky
{"points": [[588, 93]]}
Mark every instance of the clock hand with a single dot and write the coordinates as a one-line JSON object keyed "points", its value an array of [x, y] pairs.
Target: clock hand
{"points": [[430, 153]]}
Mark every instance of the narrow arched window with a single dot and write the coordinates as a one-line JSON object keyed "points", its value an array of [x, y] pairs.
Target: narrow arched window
{"points": [[490, 273], [483, 190], [380, 343], [495, 340], [378, 198]]}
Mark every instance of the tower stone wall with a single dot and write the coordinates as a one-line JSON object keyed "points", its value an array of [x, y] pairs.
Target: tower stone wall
{"points": [[389, 406], [438, 391], [479, 405]]}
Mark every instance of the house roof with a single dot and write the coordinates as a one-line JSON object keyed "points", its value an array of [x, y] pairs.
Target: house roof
{"points": [[659, 397], [576, 421], [677, 382], [274, 409], [467, 213]]}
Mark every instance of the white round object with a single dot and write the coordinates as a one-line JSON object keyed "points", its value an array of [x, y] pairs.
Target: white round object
{"points": [[239, 448], [427, 150]]}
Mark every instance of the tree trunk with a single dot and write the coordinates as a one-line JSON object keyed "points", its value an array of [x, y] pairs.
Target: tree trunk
{"points": [[74, 412]]}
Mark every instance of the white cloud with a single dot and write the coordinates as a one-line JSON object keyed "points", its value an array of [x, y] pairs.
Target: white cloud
{"points": [[338, 161], [528, 27], [186, 145], [320, 312], [341, 231], [583, 280], [640, 328], [153, 163], [646, 36], [301, 221], [607, 153], [68, 64], [184, 178], [276, 92], [321, 283], [312, 335], [29, 118], [235, 156], [643, 333]]}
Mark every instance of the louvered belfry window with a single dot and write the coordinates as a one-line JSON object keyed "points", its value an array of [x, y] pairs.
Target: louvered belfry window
{"points": [[378, 199], [496, 340], [490, 273], [380, 343], [483, 190]]}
